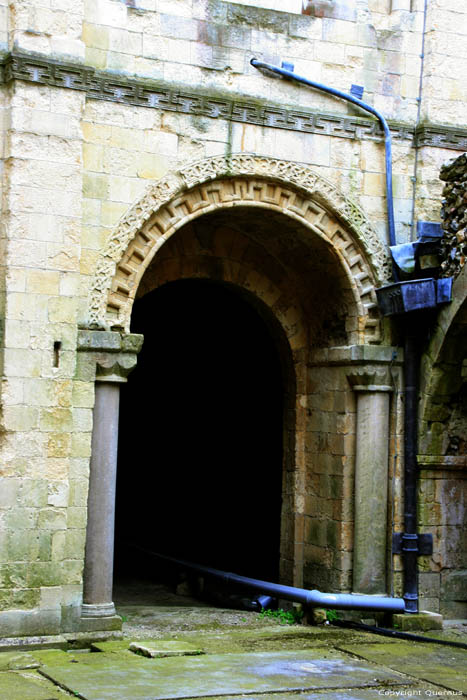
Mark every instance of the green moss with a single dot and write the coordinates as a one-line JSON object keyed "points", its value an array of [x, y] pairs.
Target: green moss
{"points": [[25, 599]]}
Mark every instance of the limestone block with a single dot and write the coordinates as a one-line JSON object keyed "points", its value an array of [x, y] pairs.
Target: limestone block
{"points": [[160, 142], [96, 36], [17, 334], [123, 41], [81, 445], [42, 282], [59, 444], [74, 543], [83, 394], [111, 213], [62, 309], [180, 8], [57, 547], [96, 58], [161, 649], [22, 363], [106, 13], [73, 572], [9, 489], [72, 594], [421, 621], [78, 468], [82, 419], [340, 32], [151, 166], [77, 517], [58, 493], [93, 157], [50, 597], [22, 418], [96, 133], [52, 519], [63, 257], [27, 253], [21, 518], [91, 209], [95, 186]]}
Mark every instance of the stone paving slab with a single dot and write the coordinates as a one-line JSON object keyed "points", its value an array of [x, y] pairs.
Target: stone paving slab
{"points": [[406, 693], [15, 686], [14, 660], [441, 665], [129, 677]]}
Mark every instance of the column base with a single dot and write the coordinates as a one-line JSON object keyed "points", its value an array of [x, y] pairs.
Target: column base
{"points": [[99, 617], [93, 625], [94, 610]]}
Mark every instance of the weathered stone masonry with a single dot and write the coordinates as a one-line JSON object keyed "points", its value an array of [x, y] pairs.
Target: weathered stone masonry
{"points": [[139, 146]]}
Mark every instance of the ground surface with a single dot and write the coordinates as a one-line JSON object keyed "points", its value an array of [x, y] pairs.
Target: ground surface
{"points": [[243, 655]]}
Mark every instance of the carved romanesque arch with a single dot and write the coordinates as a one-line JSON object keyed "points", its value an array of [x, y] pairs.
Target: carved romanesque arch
{"points": [[286, 187]]}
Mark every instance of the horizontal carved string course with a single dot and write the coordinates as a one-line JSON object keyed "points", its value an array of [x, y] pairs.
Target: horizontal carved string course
{"points": [[101, 85]]}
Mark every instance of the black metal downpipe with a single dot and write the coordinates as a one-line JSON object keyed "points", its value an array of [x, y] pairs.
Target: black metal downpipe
{"points": [[410, 537], [316, 599]]}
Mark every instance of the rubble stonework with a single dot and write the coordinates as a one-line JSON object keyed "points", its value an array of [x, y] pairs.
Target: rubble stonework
{"points": [[454, 215]]}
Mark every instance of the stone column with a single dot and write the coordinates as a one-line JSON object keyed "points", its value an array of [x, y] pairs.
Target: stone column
{"points": [[371, 480], [113, 357]]}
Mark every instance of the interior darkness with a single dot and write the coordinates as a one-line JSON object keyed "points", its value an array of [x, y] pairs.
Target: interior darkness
{"points": [[200, 451]]}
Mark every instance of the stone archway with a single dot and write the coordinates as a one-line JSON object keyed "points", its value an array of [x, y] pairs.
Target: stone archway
{"points": [[310, 225], [241, 180]]}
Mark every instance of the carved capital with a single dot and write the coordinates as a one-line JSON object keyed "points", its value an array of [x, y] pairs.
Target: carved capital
{"points": [[114, 368], [370, 379], [110, 355]]}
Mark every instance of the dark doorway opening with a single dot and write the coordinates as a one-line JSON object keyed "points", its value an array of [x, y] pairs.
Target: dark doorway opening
{"points": [[200, 447]]}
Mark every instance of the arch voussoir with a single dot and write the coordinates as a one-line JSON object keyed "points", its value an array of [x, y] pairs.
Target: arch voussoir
{"points": [[244, 180]]}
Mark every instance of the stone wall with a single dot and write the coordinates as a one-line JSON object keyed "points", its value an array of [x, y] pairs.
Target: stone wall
{"points": [[453, 213], [443, 483], [100, 100]]}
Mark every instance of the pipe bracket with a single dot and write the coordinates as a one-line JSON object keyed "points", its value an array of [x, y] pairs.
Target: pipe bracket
{"points": [[422, 544]]}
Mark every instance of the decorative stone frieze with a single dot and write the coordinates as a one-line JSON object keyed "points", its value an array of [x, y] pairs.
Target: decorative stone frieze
{"points": [[103, 85], [290, 188]]}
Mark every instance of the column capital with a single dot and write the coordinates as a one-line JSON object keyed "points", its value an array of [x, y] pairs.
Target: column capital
{"points": [[370, 379], [109, 355]]}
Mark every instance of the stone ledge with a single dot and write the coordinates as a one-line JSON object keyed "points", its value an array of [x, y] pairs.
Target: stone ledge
{"points": [[357, 354], [109, 341], [442, 462], [82, 640], [421, 621], [36, 642]]}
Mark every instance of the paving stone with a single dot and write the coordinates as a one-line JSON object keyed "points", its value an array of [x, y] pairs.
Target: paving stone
{"points": [[221, 674], [14, 686], [445, 666], [11, 660], [354, 694], [161, 649]]}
